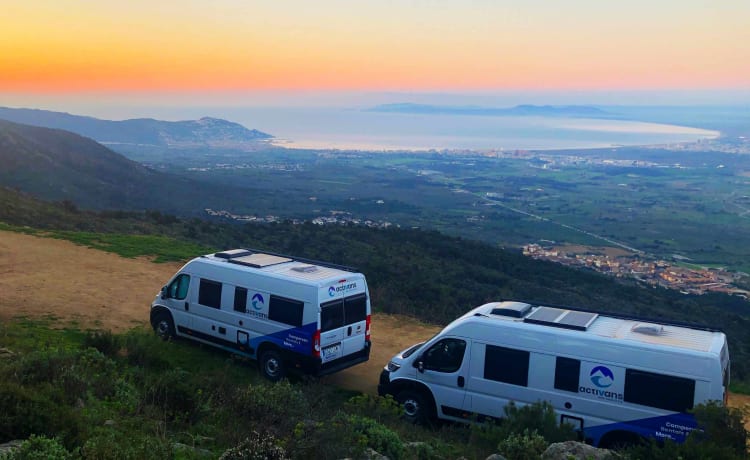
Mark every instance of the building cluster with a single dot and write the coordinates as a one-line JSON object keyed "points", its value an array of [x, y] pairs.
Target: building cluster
{"points": [[654, 272], [336, 218]]}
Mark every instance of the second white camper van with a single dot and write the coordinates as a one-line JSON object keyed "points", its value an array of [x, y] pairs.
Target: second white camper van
{"points": [[286, 312], [615, 379]]}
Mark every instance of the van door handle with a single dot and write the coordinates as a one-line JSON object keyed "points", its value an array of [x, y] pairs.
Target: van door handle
{"points": [[349, 331], [461, 381], [187, 306]]}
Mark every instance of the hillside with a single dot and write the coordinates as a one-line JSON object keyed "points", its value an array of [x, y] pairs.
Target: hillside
{"points": [[422, 274], [59, 165], [204, 132]]}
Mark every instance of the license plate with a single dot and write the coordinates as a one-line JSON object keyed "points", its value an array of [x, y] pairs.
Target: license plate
{"points": [[331, 351]]}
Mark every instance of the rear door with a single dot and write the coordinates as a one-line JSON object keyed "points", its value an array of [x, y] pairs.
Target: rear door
{"points": [[343, 324]]}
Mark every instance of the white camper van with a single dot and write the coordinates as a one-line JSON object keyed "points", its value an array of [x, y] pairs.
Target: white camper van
{"points": [[615, 379], [288, 313]]}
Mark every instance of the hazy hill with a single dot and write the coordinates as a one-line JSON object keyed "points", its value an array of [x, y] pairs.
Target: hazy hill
{"points": [[207, 131], [59, 165], [570, 111]]}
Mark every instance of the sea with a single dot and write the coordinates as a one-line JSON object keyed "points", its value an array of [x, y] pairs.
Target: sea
{"points": [[353, 129]]}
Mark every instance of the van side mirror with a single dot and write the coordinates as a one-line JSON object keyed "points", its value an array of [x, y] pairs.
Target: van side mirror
{"points": [[164, 292], [419, 364]]}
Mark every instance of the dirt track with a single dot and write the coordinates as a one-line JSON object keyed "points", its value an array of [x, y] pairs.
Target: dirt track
{"points": [[42, 277]]}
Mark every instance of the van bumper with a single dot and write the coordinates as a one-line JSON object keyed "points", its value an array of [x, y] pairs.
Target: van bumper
{"points": [[320, 369], [384, 385]]}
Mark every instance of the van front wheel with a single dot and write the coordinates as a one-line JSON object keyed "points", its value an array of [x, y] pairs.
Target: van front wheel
{"points": [[163, 326], [416, 406], [272, 365]]}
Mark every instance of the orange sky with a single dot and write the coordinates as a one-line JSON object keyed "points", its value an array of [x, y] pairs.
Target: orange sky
{"points": [[84, 45]]}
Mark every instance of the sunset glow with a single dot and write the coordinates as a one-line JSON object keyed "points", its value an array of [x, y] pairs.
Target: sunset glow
{"points": [[83, 45]]}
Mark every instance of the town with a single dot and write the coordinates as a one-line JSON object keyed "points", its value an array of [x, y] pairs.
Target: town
{"points": [[623, 264]]}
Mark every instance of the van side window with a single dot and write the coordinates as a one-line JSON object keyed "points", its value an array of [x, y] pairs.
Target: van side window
{"points": [[240, 299], [331, 315], [506, 365], [287, 311], [178, 288], [445, 356], [209, 293], [658, 390], [567, 372]]}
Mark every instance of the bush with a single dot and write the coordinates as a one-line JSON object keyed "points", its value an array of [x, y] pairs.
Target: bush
{"points": [[104, 341], [376, 436], [525, 446], [382, 409], [172, 393], [39, 448], [108, 443], [280, 405], [256, 447]]}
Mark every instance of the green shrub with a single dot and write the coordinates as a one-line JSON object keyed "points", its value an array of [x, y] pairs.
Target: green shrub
{"points": [[145, 350], [256, 447], [114, 443], [280, 405], [382, 409], [39, 448], [172, 393], [376, 436], [104, 341], [525, 446]]}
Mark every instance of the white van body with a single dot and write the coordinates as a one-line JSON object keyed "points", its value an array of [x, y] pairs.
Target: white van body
{"points": [[615, 379], [288, 313]]}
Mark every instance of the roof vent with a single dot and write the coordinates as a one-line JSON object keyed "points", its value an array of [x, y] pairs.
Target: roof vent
{"points": [[648, 329], [512, 309], [306, 269]]}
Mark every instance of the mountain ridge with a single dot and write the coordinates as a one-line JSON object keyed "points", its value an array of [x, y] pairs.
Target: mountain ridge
{"points": [[206, 131]]}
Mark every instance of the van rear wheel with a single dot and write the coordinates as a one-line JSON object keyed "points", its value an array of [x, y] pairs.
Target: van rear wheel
{"points": [[272, 365], [416, 406], [163, 326]]}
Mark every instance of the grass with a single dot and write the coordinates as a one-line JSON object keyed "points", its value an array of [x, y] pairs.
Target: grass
{"points": [[160, 248]]}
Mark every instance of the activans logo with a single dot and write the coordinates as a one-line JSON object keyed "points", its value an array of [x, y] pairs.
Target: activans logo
{"points": [[602, 377], [257, 302], [332, 291]]}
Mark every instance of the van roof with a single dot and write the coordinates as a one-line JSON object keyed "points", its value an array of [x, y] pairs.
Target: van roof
{"points": [[601, 325], [253, 261]]}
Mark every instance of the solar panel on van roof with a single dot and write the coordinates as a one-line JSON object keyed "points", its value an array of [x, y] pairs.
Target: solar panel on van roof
{"points": [[259, 260], [558, 317]]}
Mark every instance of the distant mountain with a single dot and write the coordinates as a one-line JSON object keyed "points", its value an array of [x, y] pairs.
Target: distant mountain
{"points": [[571, 111], [58, 165], [212, 132]]}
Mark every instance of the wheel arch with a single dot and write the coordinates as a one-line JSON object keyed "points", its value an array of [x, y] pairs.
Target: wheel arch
{"points": [[159, 310], [400, 385]]}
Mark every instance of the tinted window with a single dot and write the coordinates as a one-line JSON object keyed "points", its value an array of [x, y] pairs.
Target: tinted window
{"points": [[355, 309], [658, 390], [566, 374], [178, 288], [240, 299], [506, 365], [209, 293], [445, 356], [331, 315], [287, 311]]}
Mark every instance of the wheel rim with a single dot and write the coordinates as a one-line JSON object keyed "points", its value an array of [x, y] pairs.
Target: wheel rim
{"points": [[411, 407], [272, 366], [163, 328]]}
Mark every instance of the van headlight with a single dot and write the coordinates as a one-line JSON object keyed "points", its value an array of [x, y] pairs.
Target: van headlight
{"points": [[393, 367]]}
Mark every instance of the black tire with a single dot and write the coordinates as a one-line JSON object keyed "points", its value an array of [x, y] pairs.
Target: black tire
{"points": [[164, 326], [417, 406], [272, 365]]}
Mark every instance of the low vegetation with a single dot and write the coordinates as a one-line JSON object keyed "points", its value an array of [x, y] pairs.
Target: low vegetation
{"points": [[96, 395]]}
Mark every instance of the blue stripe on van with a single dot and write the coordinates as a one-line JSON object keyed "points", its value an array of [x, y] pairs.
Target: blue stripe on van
{"points": [[296, 339], [675, 426]]}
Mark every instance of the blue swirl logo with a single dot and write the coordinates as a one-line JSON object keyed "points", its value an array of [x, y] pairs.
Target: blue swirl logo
{"points": [[602, 377], [331, 291], [257, 302]]}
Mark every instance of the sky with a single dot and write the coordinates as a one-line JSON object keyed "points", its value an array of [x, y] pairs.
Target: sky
{"points": [[218, 49]]}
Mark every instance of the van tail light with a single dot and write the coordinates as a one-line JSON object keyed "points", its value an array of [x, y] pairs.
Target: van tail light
{"points": [[316, 344], [367, 329]]}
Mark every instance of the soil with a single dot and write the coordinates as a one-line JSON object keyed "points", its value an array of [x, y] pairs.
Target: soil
{"points": [[91, 289]]}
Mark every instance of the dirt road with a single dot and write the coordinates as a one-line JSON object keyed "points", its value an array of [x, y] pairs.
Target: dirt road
{"points": [[42, 277]]}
